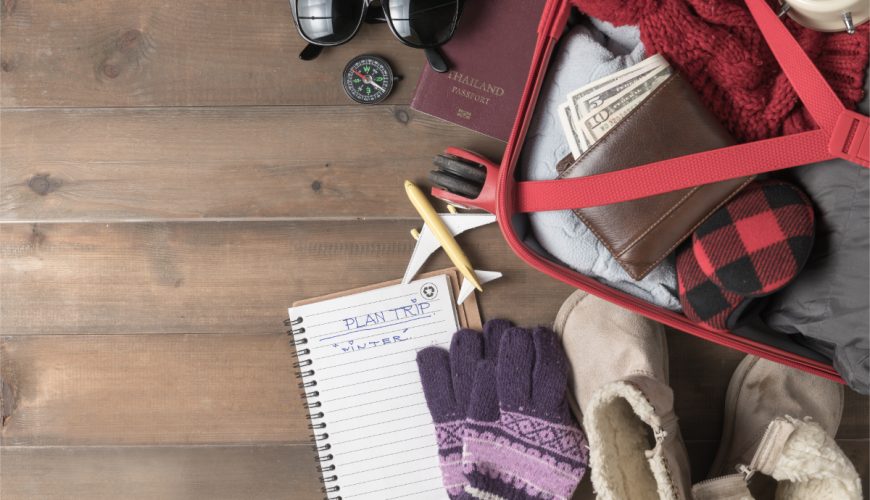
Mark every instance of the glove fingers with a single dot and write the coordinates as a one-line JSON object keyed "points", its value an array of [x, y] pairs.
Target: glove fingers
{"points": [[516, 359], [492, 333], [466, 349], [550, 376], [434, 366], [484, 396]]}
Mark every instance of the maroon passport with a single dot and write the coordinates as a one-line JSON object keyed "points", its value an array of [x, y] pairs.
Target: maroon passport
{"points": [[489, 58]]}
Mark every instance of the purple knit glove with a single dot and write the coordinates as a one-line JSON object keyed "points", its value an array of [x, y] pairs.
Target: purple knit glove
{"points": [[447, 382], [520, 439]]}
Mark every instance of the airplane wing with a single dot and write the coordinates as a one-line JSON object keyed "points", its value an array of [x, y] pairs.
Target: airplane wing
{"points": [[482, 276], [459, 223], [426, 246], [427, 243]]}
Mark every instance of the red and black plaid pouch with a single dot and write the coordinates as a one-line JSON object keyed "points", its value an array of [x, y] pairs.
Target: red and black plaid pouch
{"points": [[753, 246]]}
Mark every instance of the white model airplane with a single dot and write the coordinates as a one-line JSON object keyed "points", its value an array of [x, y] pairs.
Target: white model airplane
{"points": [[427, 243]]}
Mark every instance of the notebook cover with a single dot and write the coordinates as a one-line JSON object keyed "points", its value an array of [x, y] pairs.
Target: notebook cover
{"points": [[671, 122], [489, 57], [468, 312]]}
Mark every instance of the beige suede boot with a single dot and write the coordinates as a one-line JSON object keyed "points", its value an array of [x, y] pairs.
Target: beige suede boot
{"points": [[780, 422], [619, 382]]}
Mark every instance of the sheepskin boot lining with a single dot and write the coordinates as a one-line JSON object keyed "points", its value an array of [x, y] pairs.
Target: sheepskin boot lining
{"points": [[624, 461]]}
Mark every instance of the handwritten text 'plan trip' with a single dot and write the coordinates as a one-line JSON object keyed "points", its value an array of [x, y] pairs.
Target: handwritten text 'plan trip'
{"points": [[389, 317]]}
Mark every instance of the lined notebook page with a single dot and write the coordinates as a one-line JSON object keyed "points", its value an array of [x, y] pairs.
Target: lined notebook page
{"points": [[363, 351]]}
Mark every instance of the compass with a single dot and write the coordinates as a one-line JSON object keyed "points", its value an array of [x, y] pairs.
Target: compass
{"points": [[368, 79]]}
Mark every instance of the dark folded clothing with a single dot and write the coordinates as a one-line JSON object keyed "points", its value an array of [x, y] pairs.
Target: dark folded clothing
{"points": [[830, 300]]}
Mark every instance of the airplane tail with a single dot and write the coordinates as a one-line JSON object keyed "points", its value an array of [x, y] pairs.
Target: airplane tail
{"points": [[482, 276]]}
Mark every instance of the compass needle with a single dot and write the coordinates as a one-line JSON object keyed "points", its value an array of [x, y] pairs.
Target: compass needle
{"points": [[368, 79]]}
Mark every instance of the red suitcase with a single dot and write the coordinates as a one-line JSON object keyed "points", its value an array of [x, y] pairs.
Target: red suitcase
{"points": [[841, 133]]}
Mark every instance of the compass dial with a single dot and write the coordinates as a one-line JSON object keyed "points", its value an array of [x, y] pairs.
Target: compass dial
{"points": [[368, 79]]}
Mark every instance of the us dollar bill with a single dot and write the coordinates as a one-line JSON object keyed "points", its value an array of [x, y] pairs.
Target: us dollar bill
{"points": [[572, 135], [569, 117], [581, 121], [611, 111], [592, 95]]}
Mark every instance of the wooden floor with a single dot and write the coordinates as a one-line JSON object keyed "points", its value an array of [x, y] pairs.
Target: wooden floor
{"points": [[173, 177]]}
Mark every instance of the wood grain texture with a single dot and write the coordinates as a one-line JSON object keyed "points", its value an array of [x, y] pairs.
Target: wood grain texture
{"points": [[214, 472], [253, 162], [227, 277], [171, 473], [149, 389], [264, 472], [192, 53]]}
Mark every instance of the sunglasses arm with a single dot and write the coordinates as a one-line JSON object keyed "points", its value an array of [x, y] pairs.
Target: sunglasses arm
{"points": [[436, 60], [310, 52]]}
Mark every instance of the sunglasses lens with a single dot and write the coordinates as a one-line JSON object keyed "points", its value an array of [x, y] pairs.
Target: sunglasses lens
{"points": [[328, 21], [424, 23]]}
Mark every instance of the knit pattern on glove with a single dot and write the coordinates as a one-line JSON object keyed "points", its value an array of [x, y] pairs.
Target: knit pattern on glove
{"points": [[718, 47], [447, 380], [520, 440]]}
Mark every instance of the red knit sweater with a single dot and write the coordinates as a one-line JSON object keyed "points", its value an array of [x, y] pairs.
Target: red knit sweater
{"points": [[719, 48]]}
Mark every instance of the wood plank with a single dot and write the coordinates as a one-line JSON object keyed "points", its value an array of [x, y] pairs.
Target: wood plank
{"points": [[227, 277], [253, 162], [184, 473], [193, 53], [149, 389], [166, 472], [213, 472], [188, 473], [256, 471]]}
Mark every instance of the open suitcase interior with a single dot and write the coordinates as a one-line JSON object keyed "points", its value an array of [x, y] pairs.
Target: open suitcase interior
{"points": [[818, 323]]}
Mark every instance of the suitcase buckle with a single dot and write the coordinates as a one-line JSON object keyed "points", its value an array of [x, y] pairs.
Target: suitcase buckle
{"points": [[850, 138]]}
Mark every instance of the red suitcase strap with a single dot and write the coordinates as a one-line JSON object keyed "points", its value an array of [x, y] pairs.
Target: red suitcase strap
{"points": [[842, 133], [670, 175]]}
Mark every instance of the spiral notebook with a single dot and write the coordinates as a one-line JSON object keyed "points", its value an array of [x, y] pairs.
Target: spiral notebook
{"points": [[356, 354]]}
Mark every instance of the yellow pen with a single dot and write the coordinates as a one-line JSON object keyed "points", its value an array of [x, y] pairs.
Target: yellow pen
{"points": [[441, 233]]}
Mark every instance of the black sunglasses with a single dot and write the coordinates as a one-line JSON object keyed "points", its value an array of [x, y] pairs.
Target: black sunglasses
{"points": [[422, 24]]}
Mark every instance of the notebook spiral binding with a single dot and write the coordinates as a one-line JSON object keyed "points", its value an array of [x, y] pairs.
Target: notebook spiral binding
{"points": [[319, 437]]}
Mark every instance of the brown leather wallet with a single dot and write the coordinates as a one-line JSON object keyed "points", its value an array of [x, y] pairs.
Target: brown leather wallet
{"points": [[671, 122]]}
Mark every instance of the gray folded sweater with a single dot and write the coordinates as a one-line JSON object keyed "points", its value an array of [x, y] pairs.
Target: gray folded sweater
{"points": [[591, 50]]}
